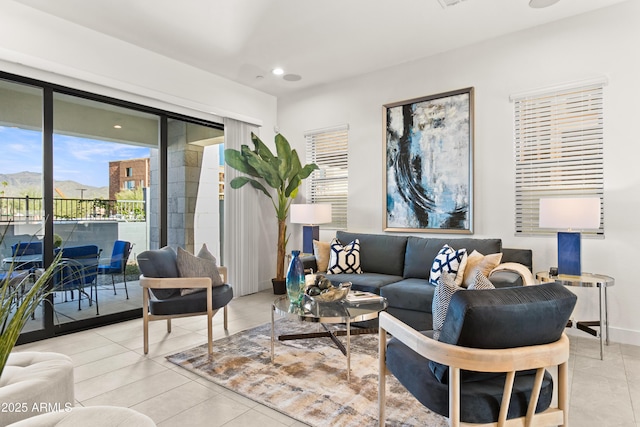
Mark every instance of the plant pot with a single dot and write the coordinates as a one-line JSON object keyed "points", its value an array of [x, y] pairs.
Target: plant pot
{"points": [[279, 286]]}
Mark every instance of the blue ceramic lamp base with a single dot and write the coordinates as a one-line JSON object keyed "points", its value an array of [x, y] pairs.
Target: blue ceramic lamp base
{"points": [[309, 234], [569, 253]]}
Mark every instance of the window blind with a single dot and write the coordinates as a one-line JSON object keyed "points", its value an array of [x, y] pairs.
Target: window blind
{"points": [[328, 148], [558, 151]]}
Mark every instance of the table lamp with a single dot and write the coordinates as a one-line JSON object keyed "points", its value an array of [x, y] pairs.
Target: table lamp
{"points": [[311, 215], [575, 213]]}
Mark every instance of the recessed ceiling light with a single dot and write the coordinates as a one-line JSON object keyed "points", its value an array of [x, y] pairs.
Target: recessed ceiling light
{"points": [[538, 4], [278, 71], [117, 127], [446, 3], [292, 77]]}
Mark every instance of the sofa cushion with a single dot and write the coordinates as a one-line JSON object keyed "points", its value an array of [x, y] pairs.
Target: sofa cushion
{"points": [[420, 252], [379, 253], [410, 294], [159, 263], [201, 265], [367, 282], [191, 303], [344, 258]]}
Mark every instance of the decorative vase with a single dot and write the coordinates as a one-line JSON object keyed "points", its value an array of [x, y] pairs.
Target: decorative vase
{"points": [[295, 279]]}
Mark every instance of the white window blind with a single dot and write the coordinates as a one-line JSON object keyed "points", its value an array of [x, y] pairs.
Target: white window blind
{"points": [[558, 150], [328, 148]]}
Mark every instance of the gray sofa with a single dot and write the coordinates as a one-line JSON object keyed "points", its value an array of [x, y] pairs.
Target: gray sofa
{"points": [[398, 267]]}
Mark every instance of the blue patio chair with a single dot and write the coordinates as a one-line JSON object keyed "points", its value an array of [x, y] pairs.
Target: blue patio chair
{"points": [[26, 255], [118, 264], [78, 269]]}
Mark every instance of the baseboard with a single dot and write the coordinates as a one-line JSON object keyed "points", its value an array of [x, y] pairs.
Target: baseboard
{"points": [[618, 335]]}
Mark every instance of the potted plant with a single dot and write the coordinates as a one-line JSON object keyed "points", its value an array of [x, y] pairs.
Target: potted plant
{"points": [[283, 172]]}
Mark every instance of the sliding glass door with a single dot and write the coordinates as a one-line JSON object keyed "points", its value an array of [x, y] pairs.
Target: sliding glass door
{"points": [[99, 180]]}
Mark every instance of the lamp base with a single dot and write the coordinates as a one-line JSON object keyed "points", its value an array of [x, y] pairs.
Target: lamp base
{"points": [[309, 234], [569, 253]]}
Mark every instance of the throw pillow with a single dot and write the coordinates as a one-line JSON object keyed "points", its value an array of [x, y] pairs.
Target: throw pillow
{"points": [[321, 251], [445, 289], [477, 261], [344, 258], [480, 282], [202, 265], [448, 261]]}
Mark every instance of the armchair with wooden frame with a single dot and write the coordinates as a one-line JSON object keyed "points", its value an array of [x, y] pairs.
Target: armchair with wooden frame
{"points": [[162, 299], [489, 365]]}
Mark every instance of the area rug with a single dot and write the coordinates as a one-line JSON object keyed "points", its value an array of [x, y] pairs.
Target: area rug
{"points": [[307, 380]]}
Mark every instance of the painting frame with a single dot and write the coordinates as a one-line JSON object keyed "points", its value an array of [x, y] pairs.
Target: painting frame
{"points": [[428, 163]]}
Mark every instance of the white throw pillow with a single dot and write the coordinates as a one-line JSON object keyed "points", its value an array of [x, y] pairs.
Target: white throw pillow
{"points": [[344, 258], [449, 261]]}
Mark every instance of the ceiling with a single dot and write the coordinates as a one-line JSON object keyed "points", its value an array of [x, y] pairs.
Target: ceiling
{"points": [[320, 41]]}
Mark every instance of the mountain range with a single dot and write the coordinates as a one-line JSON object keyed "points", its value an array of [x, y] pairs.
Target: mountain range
{"points": [[30, 183]]}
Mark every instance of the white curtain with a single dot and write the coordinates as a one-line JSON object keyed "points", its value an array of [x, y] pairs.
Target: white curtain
{"points": [[241, 208]]}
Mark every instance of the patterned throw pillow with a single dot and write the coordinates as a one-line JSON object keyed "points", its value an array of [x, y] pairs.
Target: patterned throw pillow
{"points": [[485, 263], [344, 259], [445, 289], [448, 261], [202, 265]]}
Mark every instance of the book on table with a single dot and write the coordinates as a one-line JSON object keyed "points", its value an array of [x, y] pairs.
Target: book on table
{"points": [[357, 296]]}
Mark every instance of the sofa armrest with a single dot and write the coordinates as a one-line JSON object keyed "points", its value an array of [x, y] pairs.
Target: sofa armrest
{"points": [[510, 274]]}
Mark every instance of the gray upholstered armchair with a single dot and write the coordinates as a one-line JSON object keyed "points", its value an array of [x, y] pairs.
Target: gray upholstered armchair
{"points": [[489, 364], [165, 293]]}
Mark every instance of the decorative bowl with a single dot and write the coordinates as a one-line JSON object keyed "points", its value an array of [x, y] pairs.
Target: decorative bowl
{"points": [[332, 294]]}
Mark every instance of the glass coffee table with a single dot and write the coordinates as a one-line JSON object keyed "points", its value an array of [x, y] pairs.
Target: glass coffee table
{"points": [[326, 313]]}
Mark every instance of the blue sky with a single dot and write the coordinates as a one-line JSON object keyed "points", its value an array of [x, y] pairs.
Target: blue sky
{"points": [[78, 159]]}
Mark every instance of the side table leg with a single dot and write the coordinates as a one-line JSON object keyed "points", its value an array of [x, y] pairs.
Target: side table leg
{"points": [[606, 314], [273, 333], [602, 327]]}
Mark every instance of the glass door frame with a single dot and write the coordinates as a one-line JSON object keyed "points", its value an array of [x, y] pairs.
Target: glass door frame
{"points": [[49, 328]]}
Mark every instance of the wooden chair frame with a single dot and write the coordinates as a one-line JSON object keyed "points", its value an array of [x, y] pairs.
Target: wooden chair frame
{"points": [[508, 361], [180, 282]]}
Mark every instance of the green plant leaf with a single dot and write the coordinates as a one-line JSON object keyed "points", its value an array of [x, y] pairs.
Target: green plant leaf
{"points": [[238, 161], [265, 169], [284, 154], [240, 181], [294, 170], [307, 170], [261, 149], [294, 183]]}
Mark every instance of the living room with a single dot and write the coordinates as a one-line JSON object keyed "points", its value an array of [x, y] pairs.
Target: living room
{"points": [[597, 44]]}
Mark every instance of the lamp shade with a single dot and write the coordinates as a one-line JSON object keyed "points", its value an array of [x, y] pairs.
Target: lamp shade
{"points": [[313, 213], [578, 213]]}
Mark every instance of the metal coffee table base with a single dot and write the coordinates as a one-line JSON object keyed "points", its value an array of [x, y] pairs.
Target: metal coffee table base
{"points": [[361, 313]]}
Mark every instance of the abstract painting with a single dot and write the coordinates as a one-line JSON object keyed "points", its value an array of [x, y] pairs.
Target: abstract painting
{"points": [[429, 163]]}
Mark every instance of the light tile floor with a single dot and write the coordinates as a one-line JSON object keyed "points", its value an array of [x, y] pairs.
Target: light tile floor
{"points": [[111, 369]]}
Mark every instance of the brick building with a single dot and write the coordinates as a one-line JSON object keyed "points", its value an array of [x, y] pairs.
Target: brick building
{"points": [[128, 175]]}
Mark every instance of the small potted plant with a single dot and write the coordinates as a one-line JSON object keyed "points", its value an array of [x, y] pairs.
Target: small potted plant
{"points": [[284, 173]]}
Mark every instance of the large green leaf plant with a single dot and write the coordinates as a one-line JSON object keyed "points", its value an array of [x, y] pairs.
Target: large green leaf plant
{"points": [[283, 172]]}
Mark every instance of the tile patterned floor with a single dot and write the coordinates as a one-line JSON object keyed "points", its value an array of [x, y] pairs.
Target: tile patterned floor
{"points": [[111, 369]]}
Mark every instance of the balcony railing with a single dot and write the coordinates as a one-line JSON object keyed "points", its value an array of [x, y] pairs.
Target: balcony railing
{"points": [[26, 209]]}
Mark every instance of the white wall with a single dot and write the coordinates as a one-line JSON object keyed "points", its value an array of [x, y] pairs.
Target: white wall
{"points": [[595, 44]]}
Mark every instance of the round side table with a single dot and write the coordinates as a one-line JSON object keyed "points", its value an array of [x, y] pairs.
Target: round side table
{"points": [[588, 280]]}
